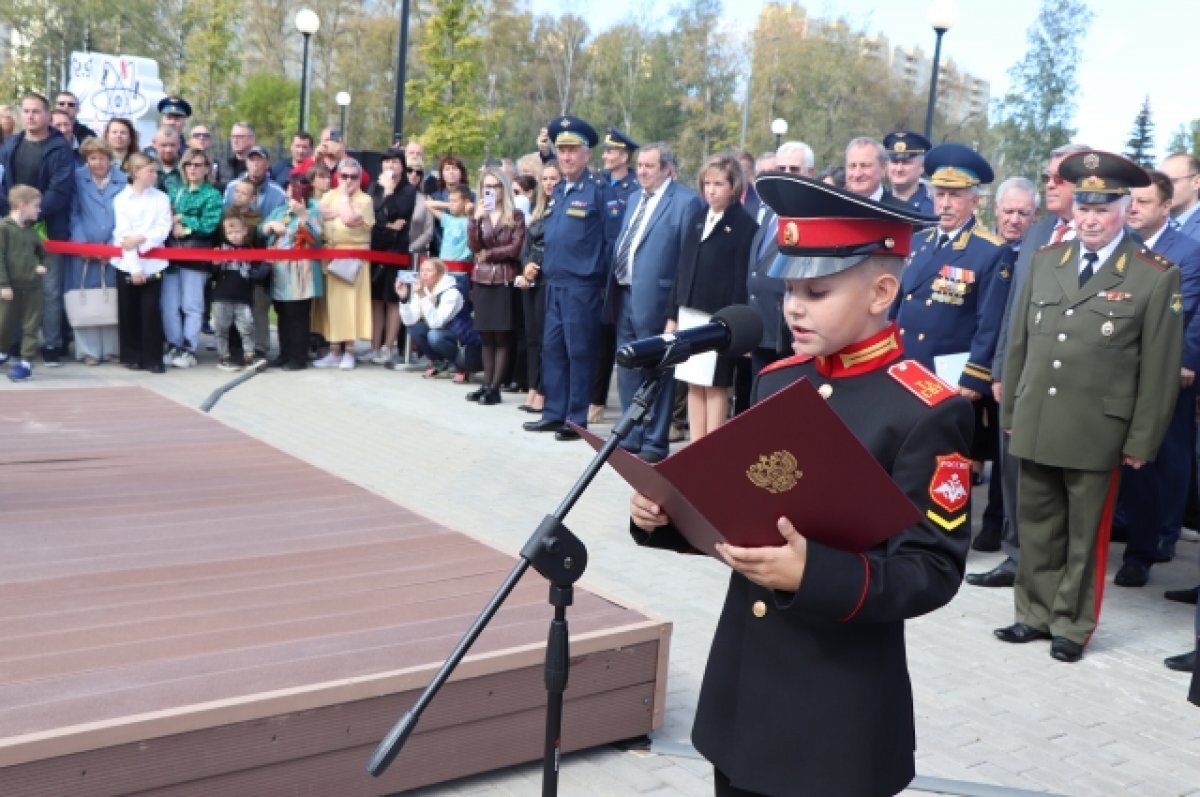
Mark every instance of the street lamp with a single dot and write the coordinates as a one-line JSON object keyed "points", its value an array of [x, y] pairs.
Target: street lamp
{"points": [[942, 16], [779, 128], [307, 22], [343, 100]]}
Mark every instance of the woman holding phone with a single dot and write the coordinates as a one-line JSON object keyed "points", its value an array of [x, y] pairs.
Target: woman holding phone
{"points": [[394, 200], [495, 235]]}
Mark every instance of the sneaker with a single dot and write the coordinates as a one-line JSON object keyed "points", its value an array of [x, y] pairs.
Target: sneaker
{"points": [[169, 357], [348, 362], [51, 359], [435, 370], [417, 364], [330, 360], [226, 363], [21, 372], [381, 357], [4, 358], [461, 378], [184, 359], [253, 360]]}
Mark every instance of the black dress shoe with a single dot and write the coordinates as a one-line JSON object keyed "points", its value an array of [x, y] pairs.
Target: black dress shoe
{"points": [[1064, 649], [1184, 662], [543, 425], [513, 387], [490, 395], [157, 368], [1165, 552], [566, 435], [1020, 633], [1183, 595], [1132, 574], [988, 540], [529, 409], [992, 578], [278, 362], [291, 366], [476, 395], [134, 366]]}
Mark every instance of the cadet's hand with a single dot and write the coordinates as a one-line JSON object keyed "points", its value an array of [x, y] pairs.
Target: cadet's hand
{"points": [[646, 514], [40, 270], [1133, 462], [1186, 377], [780, 567], [997, 391], [969, 394], [670, 326], [6, 294]]}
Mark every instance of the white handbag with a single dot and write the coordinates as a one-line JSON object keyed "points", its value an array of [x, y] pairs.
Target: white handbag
{"points": [[91, 307], [345, 268]]}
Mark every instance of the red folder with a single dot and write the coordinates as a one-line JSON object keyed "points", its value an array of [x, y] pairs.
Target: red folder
{"points": [[788, 456]]}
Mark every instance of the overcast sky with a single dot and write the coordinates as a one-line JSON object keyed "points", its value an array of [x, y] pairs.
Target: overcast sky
{"points": [[990, 37]]}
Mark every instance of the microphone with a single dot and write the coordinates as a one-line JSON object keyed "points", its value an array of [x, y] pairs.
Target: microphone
{"points": [[733, 331]]}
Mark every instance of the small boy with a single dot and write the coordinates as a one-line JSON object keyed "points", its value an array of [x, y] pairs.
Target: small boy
{"points": [[233, 291], [806, 689], [245, 199], [22, 265], [452, 218]]}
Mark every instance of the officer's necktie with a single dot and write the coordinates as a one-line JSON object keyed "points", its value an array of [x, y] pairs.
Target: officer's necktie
{"points": [[768, 236], [943, 239], [621, 267], [1059, 231], [1089, 267]]}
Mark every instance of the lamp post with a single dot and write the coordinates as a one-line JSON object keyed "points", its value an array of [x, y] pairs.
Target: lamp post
{"points": [[307, 22], [779, 128], [401, 76], [942, 16], [343, 100]]}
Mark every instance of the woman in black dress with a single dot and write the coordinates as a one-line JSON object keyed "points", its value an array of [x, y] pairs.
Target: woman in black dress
{"points": [[712, 274], [495, 234], [395, 199]]}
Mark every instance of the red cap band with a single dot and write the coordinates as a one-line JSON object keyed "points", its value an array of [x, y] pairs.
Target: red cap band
{"points": [[844, 237]]}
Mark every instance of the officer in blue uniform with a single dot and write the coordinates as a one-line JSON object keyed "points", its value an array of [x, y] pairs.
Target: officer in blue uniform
{"points": [[617, 154], [581, 224], [906, 162]]}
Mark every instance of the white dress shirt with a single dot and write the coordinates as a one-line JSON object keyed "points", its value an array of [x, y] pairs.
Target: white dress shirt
{"points": [[651, 204], [145, 213]]}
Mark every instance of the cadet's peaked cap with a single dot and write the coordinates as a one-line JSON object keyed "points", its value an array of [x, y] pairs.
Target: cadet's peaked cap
{"points": [[615, 139], [174, 105], [824, 229], [956, 166], [905, 142], [572, 131], [1101, 176]]}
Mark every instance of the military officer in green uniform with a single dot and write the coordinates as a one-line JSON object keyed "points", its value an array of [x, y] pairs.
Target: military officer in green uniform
{"points": [[1090, 379]]}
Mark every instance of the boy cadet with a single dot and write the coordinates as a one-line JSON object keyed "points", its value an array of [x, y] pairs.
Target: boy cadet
{"points": [[1090, 383], [807, 689]]}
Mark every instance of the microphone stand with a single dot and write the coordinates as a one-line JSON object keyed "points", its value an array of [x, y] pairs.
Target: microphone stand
{"points": [[561, 558]]}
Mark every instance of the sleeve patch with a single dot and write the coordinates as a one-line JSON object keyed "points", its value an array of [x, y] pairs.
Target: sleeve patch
{"points": [[950, 487], [921, 382]]}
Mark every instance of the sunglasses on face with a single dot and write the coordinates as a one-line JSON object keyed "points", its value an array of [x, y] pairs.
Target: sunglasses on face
{"points": [[197, 164], [791, 169], [201, 135], [66, 104], [411, 170], [1051, 179], [346, 176]]}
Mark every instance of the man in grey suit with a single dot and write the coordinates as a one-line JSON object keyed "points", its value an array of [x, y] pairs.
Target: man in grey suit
{"points": [[764, 291], [643, 273], [1184, 172], [1054, 227]]}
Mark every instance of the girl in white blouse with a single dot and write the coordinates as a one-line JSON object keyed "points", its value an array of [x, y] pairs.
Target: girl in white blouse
{"points": [[143, 222]]}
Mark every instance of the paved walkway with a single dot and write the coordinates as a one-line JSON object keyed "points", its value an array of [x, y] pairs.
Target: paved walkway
{"points": [[988, 714]]}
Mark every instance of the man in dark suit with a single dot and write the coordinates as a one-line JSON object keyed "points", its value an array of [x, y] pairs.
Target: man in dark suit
{"points": [[866, 161], [644, 266], [764, 291], [1054, 227], [1092, 377], [1183, 170], [1153, 498]]}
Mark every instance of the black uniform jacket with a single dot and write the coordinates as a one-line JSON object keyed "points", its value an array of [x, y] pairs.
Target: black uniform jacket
{"points": [[807, 693]]}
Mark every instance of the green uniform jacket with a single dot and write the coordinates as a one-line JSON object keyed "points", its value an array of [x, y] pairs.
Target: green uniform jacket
{"points": [[1093, 373]]}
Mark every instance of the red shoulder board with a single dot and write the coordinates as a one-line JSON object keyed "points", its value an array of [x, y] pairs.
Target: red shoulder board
{"points": [[795, 359], [921, 382], [950, 486], [1048, 247], [1154, 259]]}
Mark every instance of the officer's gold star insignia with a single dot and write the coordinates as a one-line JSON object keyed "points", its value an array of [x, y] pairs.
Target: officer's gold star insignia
{"points": [[1177, 303]]}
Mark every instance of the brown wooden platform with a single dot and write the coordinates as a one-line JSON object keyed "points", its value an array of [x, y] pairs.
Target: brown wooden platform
{"points": [[185, 610]]}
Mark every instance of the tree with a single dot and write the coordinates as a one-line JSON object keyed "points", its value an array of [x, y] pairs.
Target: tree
{"points": [[706, 83], [1186, 139], [210, 54], [1140, 146], [562, 47], [268, 101], [1036, 114], [449, 96]]}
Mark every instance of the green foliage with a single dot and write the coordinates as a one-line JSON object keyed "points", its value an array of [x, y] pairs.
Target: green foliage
{"points": [[704, 83], [269, 102], [1140, 146], [450, 95], [1037, 113], [210, 46], [1186, 139]]}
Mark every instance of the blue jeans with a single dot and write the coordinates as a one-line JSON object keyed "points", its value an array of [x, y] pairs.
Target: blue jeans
{"points": [[436, 344], [183, 307], [52, 303]]}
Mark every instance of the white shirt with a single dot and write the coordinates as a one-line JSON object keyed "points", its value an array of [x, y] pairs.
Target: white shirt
{"points": [[1153, 239], [449, 301], [636, 235], [710, 221], [1104, 253], [148, 214]]}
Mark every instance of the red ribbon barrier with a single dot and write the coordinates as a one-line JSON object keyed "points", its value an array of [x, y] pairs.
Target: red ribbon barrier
{"points": [[459, 266], [105, 251]]}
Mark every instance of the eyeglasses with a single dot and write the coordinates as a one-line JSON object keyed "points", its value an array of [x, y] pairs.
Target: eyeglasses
{"points": [[1184, 177], [239, 135], [66, 104], [411, 170], [1052, 179], [493, 186], [201, 135], [346, 176], [197, 164], [791, 169]]}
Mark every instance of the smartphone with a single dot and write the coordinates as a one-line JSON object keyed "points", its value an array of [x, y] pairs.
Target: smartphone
{"points": [[407, 277], [489, 201]]}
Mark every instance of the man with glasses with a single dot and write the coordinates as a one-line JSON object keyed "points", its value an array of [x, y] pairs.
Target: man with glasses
{"points": [[201, 138], [1183, 170], [1055, 227], [68, 103], [906, 163], [301, 149], [241, 139], [39, 156]]}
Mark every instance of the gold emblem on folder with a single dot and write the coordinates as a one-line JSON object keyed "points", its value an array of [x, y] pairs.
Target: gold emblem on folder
{"points": [[776, 473]]}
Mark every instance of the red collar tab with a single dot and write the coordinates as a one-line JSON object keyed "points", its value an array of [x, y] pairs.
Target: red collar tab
{"points": [[865, 356], [921, 382], [844, 237]]}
